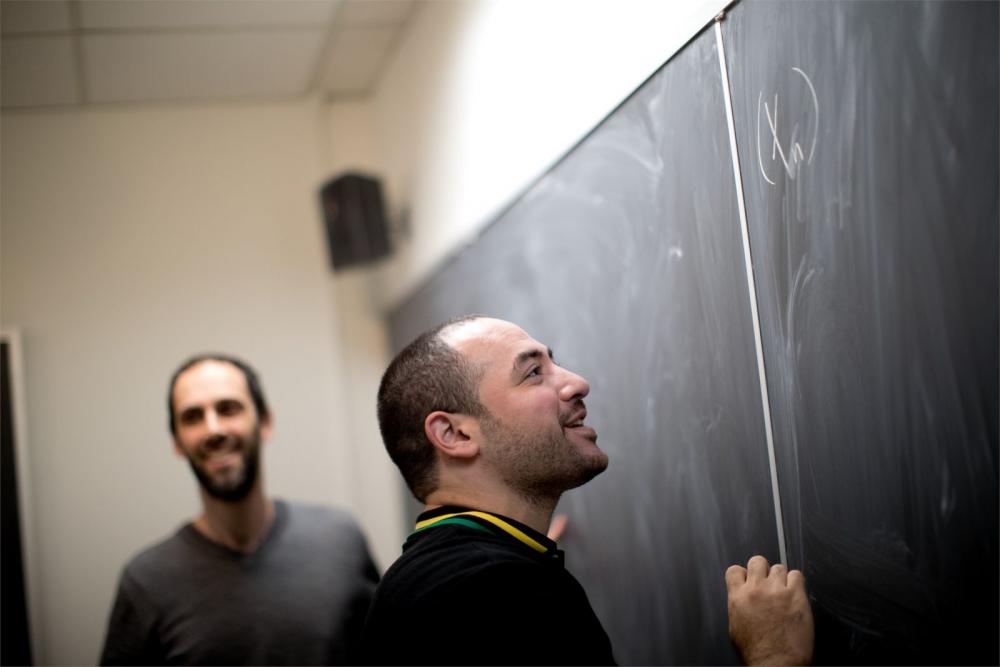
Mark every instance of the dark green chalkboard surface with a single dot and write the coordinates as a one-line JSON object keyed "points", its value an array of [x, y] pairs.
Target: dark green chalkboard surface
{"points": [[876, 260]]}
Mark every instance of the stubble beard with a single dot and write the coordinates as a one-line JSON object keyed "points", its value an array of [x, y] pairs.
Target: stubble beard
{"points": [[540, 466], [236, 489]]}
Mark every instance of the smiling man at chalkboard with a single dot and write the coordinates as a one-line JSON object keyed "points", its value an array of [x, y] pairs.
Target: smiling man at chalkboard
{"points": [[489, 431]]}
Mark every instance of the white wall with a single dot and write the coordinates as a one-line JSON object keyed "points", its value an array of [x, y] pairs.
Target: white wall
{"points": [[364, 349], [131, 239], [484, 96]]}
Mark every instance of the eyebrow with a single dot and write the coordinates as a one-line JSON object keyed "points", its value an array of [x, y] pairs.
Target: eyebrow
{"points": [[531, 355]]}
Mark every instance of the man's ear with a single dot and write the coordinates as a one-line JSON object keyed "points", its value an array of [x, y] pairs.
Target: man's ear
{"points": [[266, 428], [450, 433], [177, 448]]}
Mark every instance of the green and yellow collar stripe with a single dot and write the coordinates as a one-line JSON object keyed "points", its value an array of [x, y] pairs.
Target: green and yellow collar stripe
{"points": [[496, 521]]}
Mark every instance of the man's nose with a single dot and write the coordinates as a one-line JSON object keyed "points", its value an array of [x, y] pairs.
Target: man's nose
{"points": [[212, 424], [573, 386]]}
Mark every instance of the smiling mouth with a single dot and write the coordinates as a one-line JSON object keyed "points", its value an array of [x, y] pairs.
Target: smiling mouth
{"points": [[577, 425], [576, 419], [223, 456], [218, 459]]}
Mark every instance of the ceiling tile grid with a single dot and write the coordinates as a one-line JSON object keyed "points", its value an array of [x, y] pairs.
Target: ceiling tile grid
{"points": [[126, 14], [40, 71], [84, 52], [20, 16]]}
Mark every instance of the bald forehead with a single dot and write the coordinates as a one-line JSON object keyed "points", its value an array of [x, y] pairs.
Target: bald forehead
{"points": [[472, 334], [487, 342]]}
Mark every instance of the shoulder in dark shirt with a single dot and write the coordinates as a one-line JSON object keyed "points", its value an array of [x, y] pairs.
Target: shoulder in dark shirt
{"points": [[459, 595]]}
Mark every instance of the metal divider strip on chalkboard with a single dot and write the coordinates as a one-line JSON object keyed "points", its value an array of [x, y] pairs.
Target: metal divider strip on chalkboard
{"points": [[752, 287]]}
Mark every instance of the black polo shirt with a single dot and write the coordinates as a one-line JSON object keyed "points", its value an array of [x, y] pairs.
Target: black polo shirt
{"points": [[479, 588]]}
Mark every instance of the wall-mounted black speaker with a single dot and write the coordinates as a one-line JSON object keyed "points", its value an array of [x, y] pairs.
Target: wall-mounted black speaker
{"points": [[355, 220]]}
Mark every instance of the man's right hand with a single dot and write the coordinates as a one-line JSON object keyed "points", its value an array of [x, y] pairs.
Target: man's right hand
{"points": [[770, 620]]}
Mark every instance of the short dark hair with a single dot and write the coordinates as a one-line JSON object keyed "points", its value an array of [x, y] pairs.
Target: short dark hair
{"points": [[249, 374], [428, 375]]}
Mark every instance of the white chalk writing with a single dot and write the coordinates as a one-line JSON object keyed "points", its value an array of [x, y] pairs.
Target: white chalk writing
{"points": [[795, 157]]}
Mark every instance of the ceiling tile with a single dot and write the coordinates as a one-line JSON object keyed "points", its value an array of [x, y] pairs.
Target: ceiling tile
{"points": [[117, 14], [37, 71], [20, 16], [373, 12], [354, 59], [199, 66]]}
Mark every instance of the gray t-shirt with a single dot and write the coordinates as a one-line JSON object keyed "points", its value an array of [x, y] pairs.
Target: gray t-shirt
{"points": [[299, 599]]}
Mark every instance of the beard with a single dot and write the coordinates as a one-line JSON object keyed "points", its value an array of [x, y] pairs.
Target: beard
{"points": [[540, 465], [235, 488]]}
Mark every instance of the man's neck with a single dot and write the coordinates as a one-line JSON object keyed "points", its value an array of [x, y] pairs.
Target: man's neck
{"points": [[535, 513], [241, 525]]}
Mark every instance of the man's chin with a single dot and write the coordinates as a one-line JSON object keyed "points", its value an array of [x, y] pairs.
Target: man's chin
{"points": [[233, 486], [589, 467], [599, 464], [227, 492], [593, 456]]}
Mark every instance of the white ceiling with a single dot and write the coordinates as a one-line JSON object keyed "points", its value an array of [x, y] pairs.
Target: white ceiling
{"points": [[87, 52]]}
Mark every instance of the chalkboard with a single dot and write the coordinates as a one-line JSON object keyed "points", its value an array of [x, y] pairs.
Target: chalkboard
{"points": [[16, 646], [869, 152], [873, 232]]}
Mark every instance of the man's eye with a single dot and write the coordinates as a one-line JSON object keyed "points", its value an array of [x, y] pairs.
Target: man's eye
{"points": [[537, 370], [190, 417], [229, 408]]}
